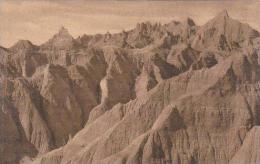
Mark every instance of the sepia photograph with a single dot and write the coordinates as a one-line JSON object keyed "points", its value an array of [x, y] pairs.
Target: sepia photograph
{"points": [[129, 82]]}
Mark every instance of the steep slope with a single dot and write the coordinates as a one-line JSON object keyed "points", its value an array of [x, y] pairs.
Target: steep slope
{"points": [[23, 45], [249, 151], [62, 40], [171, 122], [224, 33]]}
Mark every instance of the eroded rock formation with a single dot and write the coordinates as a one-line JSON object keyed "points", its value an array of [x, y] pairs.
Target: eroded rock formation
{"points": [[175, 93]]}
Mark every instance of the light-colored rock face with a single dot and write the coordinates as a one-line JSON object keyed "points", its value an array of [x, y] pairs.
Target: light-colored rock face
{"points": [[223, 33], [249, 151], [174, 93]]}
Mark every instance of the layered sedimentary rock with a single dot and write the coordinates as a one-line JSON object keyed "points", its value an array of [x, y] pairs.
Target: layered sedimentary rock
{"points": [[175, 93]]}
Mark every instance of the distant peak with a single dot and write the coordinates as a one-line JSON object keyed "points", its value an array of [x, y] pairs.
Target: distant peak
{"points": [[144, 26], [223, 13], [23, 44], [189, 21], [63, 31], [220, 18], [63, 34], [62, 39]]}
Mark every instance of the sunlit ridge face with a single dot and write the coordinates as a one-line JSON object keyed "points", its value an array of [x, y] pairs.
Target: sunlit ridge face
{"points": [[39, 20]]}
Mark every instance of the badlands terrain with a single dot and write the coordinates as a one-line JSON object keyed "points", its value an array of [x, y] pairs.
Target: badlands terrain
{"points": [[176, 93]]}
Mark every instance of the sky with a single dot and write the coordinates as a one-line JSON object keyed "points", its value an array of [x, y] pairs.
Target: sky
{"points": [[39, 20]]}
